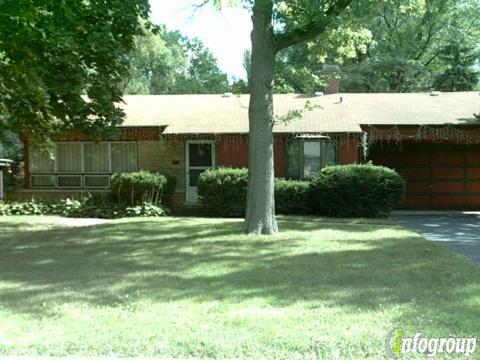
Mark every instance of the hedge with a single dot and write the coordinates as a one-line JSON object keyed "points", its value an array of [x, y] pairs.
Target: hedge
{"points": [[291, 197], [142, 186], [339, 191], [356, 191], [223, 192]]}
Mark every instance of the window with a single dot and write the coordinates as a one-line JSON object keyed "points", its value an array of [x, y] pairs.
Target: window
{"points": [[97, 181], [42, 181], [41, 161], [124, 157], [312, 158], [69, 181], [306, 157], [81, 165], [96, 158], [69, 158]]}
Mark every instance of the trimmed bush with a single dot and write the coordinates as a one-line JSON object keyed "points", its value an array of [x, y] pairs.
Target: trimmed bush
{"points": [[142, 186], [357, 191], [292, 197], [223, 191], [339, 191]]}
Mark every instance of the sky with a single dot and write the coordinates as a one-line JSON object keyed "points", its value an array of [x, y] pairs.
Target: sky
{"points": [[225, 33]]}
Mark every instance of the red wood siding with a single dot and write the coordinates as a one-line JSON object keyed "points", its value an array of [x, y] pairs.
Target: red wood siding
{"points": [[348, 151], [235, 154], [280, 157]]}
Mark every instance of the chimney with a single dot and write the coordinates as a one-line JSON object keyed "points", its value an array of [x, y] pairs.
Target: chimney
{"points": [[332, 79]]}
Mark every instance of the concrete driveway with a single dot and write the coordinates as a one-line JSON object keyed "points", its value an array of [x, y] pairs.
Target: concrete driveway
{"points": [[459, 232]]}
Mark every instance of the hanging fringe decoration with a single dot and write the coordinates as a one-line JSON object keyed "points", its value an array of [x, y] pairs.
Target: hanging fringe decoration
{"points": [[228, 141], [233, 142], [339, 138], [446, 133]]}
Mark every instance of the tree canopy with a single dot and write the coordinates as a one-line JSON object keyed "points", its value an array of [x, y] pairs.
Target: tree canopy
{"points": [[62, 63], [391, 45], [169, 63]]}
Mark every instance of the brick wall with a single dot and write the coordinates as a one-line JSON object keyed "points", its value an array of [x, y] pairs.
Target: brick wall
{"points": [[48, 195], [166, 157]]}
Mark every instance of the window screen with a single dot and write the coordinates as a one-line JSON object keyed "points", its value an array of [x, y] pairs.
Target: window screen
{"points": [[69, 158], [312, 161], [69, 181], [96, 158], [42, 181], [200, 155], [96, 181], [87, 160], [124, 157], [41, 161], [306, 158], [293, 159], [329, 153]]}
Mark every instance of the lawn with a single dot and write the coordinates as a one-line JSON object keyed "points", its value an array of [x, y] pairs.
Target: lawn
{"points": [[189, 287]]}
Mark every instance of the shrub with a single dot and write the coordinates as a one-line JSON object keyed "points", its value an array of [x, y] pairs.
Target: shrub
{"points": [[144, 210], [223, 191], [292, 197], [102, 208], [89, 207], [28, 208], [357, 191], [64, 207], [4, 209], [142, 186]]}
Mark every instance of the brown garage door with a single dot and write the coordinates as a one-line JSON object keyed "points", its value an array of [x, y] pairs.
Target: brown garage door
{"points": [[437, 176]]}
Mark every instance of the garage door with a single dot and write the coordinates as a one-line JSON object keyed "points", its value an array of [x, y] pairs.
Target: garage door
{"points": [[437, 176]]}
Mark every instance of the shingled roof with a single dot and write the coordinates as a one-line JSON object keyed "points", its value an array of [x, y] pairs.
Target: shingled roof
{"points": [[206, 114]]}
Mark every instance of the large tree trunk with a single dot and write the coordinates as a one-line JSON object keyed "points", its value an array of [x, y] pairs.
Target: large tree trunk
{"points": [[260, 212]]}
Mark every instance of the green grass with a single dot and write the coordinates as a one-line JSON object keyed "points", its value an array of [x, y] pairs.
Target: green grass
{"points": [[178, 287]]}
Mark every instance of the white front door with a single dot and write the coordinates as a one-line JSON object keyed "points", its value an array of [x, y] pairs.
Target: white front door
{"points": [[200, 156]]}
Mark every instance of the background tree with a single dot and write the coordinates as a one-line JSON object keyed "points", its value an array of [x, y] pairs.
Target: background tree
{"points": [[169, 63], [460, 74], [411, 42], [299, 69], [52, 53], [239, 86], [203, 74], [383, 57], [11, 148], [157, 62]]}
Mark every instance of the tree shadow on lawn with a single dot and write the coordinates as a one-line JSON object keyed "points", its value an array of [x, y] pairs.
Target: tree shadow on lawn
{"points": [[163, 261]]}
